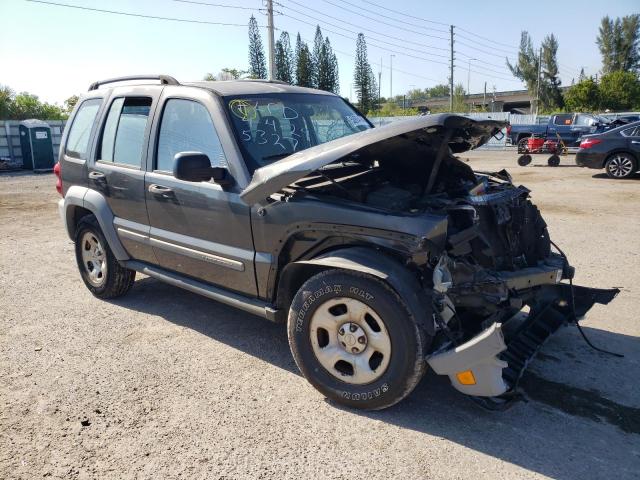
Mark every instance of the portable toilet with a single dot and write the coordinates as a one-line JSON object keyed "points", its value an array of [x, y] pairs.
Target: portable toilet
{"points": [[37, 149]]}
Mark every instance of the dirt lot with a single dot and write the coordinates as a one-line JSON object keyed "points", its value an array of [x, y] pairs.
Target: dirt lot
{"points": [[166, 384]]}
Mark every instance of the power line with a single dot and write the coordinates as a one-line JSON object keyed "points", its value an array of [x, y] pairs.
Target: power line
{"points": [[372, 44], [365, 30], [139, 15], [378, 20], [402, 13], [508, 52], [486, 38], [395, 20], [221, 5]]}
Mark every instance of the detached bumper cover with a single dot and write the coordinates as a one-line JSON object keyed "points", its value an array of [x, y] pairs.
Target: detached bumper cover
{"points": [[497, 363]]}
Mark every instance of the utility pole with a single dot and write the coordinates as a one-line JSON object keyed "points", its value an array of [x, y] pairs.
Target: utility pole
{"points": [[379, 84], [538, 85], [469, 82], [270, 29], [451, 74], [484, 98], [391, 77]]}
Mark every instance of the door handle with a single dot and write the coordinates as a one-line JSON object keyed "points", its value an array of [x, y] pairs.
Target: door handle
{"points": [[160, 190], [97, 176]]}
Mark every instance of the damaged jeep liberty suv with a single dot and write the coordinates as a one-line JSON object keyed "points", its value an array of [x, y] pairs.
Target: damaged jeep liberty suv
{"points": [[382, 251]]}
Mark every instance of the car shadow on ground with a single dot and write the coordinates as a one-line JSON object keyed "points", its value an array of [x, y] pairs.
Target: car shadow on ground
{"points": [[604, 176], [434, 407]]}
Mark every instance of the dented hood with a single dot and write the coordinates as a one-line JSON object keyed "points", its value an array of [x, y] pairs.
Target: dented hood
{"points": [[466, 134]]}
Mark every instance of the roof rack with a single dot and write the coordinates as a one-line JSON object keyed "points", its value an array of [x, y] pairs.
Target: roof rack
{"points": [[264, 80], [164, 80]]}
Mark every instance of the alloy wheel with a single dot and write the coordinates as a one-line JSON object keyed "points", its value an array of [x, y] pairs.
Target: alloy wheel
{"points": [[620, 166]]}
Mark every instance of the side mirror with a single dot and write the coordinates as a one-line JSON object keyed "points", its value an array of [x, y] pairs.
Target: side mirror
{"points": [[196, 167]]}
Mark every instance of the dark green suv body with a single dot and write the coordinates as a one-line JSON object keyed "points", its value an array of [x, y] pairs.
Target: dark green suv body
{"points": [[382, 251]]}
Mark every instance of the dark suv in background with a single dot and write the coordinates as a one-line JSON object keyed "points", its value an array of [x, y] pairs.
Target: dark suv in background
{"points": [[379, 248]]}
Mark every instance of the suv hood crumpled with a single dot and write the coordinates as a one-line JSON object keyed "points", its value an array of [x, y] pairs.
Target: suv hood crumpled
{"points": [[465, 134]]}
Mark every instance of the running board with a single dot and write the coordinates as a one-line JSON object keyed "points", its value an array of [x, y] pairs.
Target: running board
{"points": [[250, 305]]}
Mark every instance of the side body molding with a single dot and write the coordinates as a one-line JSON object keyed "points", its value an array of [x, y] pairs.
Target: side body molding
{"points": [[375, 263], [93, 201]]}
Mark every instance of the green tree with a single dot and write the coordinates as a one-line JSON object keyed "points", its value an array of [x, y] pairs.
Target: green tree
{"points": [[440, 90], [6, 102], [550, 94], [284, 59], [257, 59], [584, 96], [459, 95], [619, 91], [318, 42], [526, 69], [70, 103], [327, 69], [304, 64], [363, 79], [26, 105], [618, 41]]}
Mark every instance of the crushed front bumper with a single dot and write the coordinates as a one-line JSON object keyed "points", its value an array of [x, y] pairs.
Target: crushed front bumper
{"points": [[491, 365]]}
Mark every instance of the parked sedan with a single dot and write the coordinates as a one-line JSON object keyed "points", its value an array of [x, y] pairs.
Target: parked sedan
{"points": [[617, 151]]}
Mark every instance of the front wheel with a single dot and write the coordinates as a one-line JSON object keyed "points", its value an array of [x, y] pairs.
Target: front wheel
{"points": [[524, 160], [620, 166], [99, 268], [355, 340]]}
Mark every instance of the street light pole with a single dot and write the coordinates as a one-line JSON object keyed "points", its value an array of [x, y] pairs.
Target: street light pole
{"points": [[391, 77], [469, 81]]}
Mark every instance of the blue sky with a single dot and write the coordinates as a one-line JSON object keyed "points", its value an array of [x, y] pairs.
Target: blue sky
{"points": [[55, 52]]}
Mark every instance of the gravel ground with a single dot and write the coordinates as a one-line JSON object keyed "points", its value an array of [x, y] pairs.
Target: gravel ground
{"points": [[165, 384]]}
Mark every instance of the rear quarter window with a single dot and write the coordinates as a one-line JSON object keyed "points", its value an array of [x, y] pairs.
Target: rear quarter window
{"points": [[80, 132]]}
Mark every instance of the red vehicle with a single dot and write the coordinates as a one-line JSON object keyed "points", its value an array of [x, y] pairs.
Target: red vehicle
{"points": [[541, 145]]}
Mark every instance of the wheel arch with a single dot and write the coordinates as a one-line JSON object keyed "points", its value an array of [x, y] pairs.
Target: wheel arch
{"points": [[621, 150], [82, 201], [365, 260]]}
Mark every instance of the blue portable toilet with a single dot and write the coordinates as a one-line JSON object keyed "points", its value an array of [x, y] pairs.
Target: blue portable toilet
{"points": [[36, 145]]}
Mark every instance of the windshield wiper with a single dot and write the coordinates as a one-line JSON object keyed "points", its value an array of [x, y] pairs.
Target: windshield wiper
{"points": [[341, 187]]}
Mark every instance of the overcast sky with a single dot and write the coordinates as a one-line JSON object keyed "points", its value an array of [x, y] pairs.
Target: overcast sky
{"points": [[55, 52]]}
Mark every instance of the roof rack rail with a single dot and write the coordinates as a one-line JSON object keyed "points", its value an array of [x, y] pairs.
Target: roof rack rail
{"points": [[264, 80], [164, 80]]}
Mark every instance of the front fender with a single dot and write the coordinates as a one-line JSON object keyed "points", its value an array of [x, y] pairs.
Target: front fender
{"points": [[371, 262]]}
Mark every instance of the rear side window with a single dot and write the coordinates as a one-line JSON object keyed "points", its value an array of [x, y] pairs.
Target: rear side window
{"points": [[631, 132], [124, 131], [187, 127], [78, 139], [563, 119]]}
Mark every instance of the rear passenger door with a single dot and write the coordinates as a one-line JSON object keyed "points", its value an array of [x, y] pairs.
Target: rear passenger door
{"points": [[197, 229], [118, 171]]}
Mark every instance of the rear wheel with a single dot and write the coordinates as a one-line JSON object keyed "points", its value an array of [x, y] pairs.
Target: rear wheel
{"points": [[524, 160], [355, 340], [553, 161], [99, 268], [620, 165]]}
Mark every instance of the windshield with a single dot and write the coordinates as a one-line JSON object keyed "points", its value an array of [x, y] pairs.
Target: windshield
{"points": [[269, 127]]}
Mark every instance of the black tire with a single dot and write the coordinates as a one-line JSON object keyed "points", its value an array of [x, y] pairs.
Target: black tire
{"points": [[405, 365], [117, 280], [522, 145], [621, 166], [524, 160], [553, 161]]}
